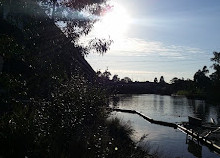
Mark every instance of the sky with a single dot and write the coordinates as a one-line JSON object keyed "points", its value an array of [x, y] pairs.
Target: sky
{"points": [[154, 38]]}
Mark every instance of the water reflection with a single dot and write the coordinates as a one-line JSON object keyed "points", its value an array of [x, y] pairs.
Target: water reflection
{"points": [[155, 102], [201, 110], [170, 109], [167, 108], [194, 148], [161, 104]]}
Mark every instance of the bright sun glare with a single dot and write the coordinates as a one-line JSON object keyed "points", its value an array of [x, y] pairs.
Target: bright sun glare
{"points": [[114, 23]]}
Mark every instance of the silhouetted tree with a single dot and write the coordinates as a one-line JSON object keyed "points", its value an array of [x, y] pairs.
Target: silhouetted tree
{"points": [[103, 77], [200, 78], [126, 80], [162, 80], [214, 92], [155, 80], [115, 78], [67, 12], [215, 77], [205, 70], [99, 73], [107, 74], [181, 85], [52, 105], [174, 80]]}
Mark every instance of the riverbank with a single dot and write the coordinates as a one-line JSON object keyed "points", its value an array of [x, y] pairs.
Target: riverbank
{"points": [[208, 133], [169, 109], [56, 129]]}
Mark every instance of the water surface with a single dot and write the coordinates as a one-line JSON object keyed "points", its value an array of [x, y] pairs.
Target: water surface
{"points": [[170, 142]]}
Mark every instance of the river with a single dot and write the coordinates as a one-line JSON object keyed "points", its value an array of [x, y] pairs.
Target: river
{"points": [[168, 142]]}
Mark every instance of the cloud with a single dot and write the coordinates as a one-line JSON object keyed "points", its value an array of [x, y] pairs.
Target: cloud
{"points": [[143, 60], [120, 71], [140, 47]]}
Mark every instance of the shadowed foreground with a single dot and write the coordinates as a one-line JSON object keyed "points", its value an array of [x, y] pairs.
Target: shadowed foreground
{"points": [[51, 104]]}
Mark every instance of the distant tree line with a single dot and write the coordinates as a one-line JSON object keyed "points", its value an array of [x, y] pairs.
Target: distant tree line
{"points": [[106, 75], [127, 86], [203, 85]]}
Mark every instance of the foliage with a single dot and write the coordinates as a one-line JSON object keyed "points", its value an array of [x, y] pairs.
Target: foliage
{"points": [[214, 91], [215, 77], [200, 78], [121, 132], [103, 77], [126, 80], [41, 123], [12, 81], [185, 87], [155, 80], [61, 124], [54, 110], [115, 78], [203, 86], [75, 17], [75, 23], [69, 123], [98, 45], [50, 128], [162, 81], [197, 93]]}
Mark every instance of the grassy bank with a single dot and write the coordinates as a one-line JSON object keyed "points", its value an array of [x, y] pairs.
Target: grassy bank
{"points": [[198, 94]]}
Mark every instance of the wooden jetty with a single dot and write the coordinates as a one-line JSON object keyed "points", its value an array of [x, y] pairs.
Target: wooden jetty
{"points": [[195, 121], [202, 139], [190, 132]]}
